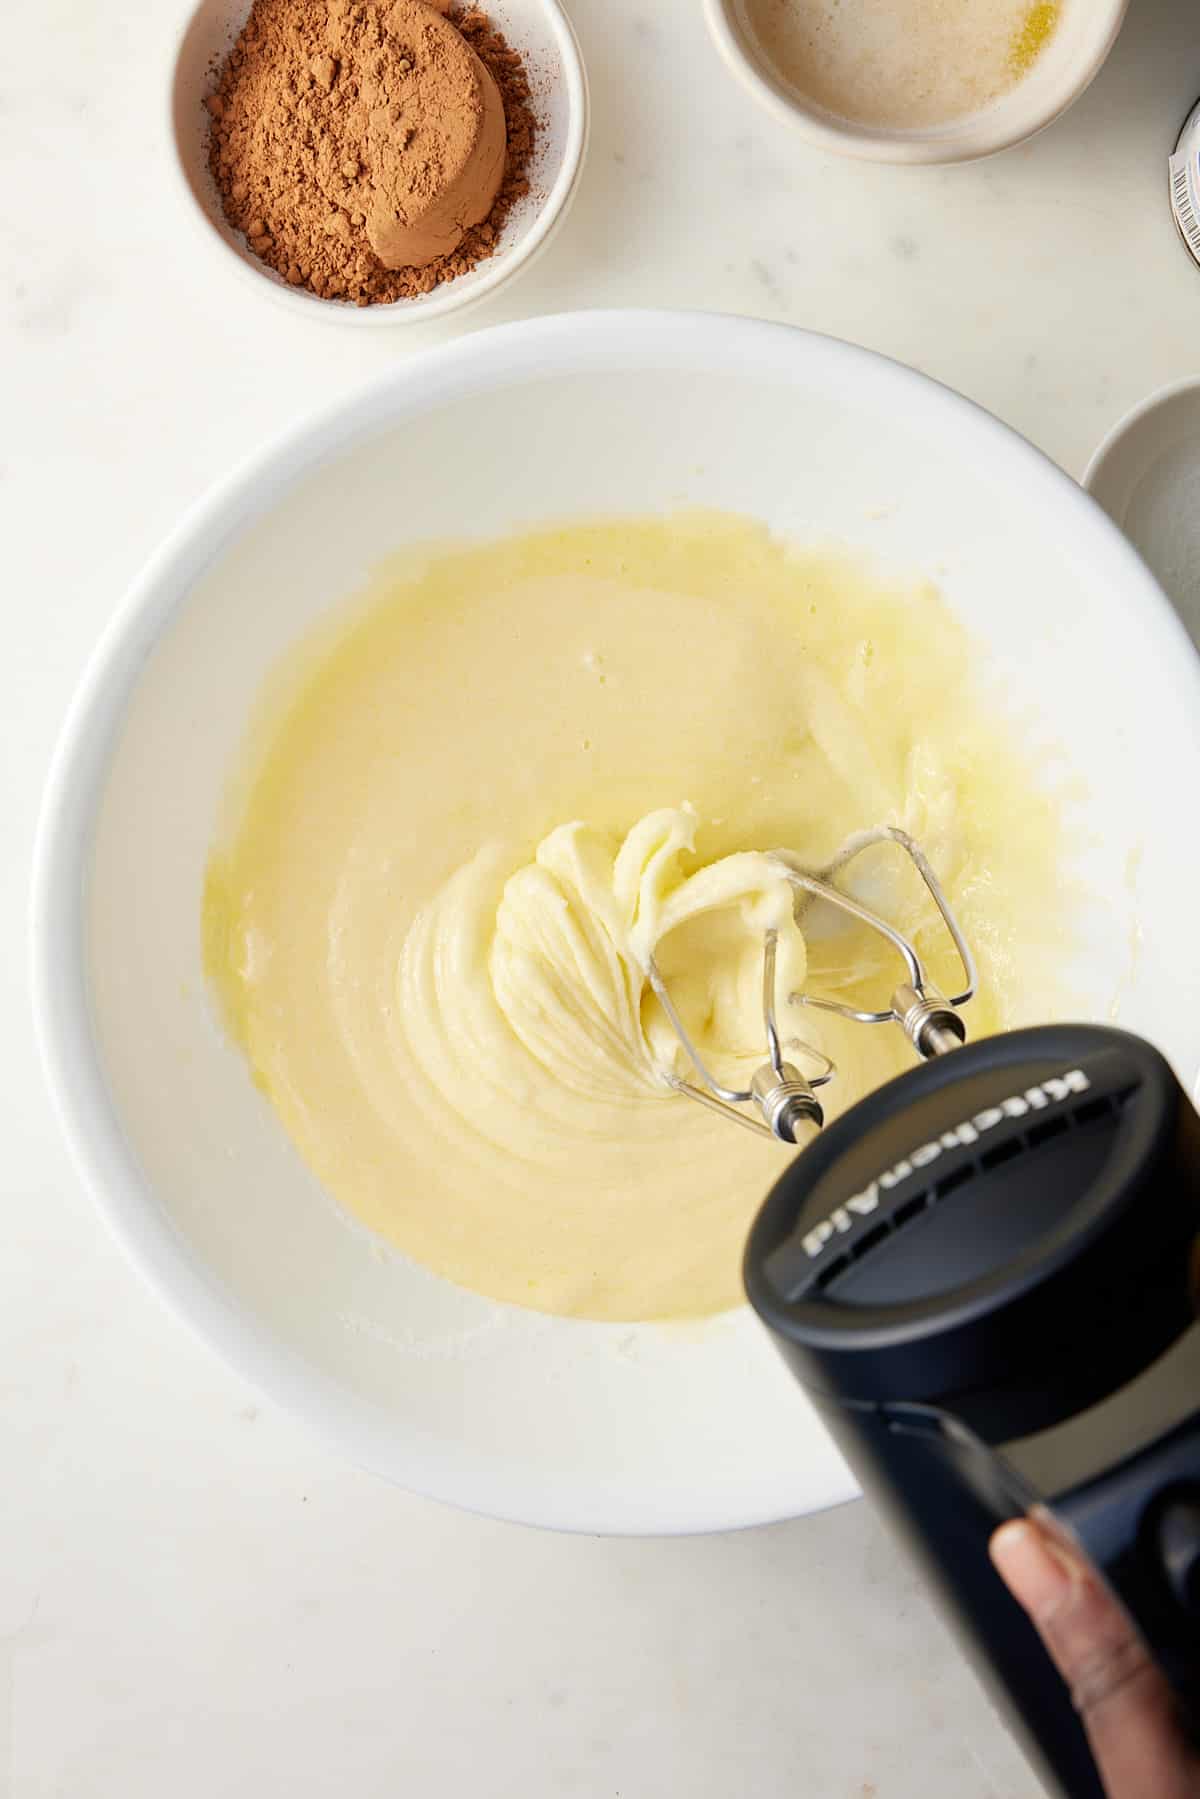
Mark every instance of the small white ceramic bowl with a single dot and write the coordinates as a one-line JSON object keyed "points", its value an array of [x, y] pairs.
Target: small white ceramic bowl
{"points": [[1146, 475], [1086, 33], [539, 29], [587, 1426]]}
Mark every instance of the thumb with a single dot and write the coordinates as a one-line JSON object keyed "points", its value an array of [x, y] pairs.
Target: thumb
{"points": [[1122, 1697]]}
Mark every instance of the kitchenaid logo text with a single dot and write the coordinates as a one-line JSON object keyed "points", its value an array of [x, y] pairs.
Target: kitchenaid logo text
{"points": [[1052, 1092]]}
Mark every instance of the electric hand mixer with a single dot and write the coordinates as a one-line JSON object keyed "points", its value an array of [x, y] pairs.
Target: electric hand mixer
{"points": [[986, 1277]]}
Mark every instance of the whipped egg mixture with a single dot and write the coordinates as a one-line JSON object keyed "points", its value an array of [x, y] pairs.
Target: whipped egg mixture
{"points": [[478, 801]]}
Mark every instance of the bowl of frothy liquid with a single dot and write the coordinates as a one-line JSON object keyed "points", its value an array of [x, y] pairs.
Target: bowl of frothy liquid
{"points": [[916, 81], [565, 574]]}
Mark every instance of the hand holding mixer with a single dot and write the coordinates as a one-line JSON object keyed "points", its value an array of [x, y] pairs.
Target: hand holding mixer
{"points": [[986, 1275]]}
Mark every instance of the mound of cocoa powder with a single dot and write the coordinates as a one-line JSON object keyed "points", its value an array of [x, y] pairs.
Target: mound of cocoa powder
{"points": [[295, 117]]}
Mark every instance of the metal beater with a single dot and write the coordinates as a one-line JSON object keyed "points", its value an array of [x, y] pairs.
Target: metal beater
{"points": [[781, 1100]]}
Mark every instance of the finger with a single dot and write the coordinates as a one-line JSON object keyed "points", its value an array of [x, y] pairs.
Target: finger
{"points": [[1122, 1697]]}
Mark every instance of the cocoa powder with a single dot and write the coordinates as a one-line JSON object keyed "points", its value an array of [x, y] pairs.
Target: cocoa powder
{"points": [[311, 95]]}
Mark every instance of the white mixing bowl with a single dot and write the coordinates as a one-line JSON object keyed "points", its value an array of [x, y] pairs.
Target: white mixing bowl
{"points": [[586, 1426]]}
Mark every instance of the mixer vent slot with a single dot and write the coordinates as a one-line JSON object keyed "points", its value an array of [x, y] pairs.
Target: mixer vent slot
{"points": [[943, 1188], [875, 1235], [1003, 1152], [1103, 1106], [1049, 1127]]}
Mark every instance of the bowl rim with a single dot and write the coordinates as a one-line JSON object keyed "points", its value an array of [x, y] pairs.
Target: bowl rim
{"points": [[979, 135], [1129, 422], [105, 1162], [450, 297]]}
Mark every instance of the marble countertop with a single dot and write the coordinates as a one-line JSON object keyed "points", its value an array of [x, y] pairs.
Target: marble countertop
{"points": [[195, 1596]]}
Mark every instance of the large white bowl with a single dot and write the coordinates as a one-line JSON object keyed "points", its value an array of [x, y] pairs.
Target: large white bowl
{"points": [[579, 1425]]}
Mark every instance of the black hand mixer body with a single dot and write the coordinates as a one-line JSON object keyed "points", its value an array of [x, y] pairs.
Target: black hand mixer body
{"points": [[985, 1277]]}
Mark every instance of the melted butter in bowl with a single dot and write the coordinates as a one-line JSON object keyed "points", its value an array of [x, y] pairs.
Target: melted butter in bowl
{"points": [[901, 64], [473, 800]]}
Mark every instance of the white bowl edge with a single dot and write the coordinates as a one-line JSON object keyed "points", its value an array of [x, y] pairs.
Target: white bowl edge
{"points": [[98, 1146]]}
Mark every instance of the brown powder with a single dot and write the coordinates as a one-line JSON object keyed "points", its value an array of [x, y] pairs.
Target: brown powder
{"points": [[325, 110]]}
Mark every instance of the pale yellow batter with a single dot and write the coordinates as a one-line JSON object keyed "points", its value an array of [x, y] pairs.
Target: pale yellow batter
{"points": [[474, 806]]}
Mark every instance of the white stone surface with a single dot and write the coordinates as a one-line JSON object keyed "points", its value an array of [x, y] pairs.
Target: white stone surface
{"points": [[195, 1597]]}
